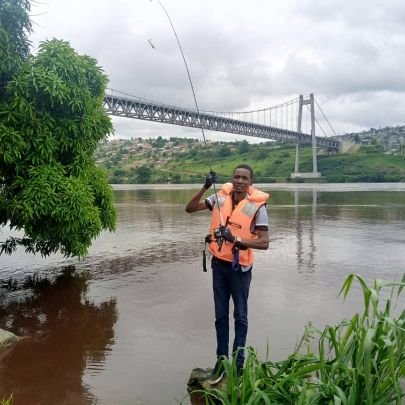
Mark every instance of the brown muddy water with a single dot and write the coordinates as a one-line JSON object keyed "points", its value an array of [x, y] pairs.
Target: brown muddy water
{"points": [[128, 323]]}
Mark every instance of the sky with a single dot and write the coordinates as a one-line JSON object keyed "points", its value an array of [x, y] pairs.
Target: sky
{"points": [[242, 55]]}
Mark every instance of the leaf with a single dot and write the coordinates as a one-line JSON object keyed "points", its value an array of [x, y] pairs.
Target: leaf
{"points": [[402, 285]]}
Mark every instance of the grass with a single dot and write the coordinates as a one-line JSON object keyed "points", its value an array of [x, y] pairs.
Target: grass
{"points": [[358, 361], [7, 401]]}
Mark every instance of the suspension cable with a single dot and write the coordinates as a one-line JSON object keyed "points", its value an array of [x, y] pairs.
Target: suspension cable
{"points": [[325, 117], [287, 103], [319, 125]]}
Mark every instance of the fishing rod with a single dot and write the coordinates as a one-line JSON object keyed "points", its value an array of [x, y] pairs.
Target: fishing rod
{"points": [[195, 101]]}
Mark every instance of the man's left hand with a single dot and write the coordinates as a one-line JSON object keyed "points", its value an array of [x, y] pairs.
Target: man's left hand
{"points": [[227, 234]]}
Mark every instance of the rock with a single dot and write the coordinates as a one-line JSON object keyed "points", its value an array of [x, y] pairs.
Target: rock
{"points": [[7, 338], [199, 380]]}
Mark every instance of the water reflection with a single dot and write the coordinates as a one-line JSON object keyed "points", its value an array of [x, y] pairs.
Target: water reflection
{"points": [[321, 227], [64, 332], [302, 264], [152, 196]]}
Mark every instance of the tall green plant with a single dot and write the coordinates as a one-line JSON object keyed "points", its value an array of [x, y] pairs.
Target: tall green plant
{"points": [[51, 120], [358, 361], [8, 401]]}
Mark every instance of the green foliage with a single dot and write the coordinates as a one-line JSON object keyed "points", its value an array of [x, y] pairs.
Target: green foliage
{"points": [[193, 154], [223, 151], [358, 361], [368, 165], [51, 121], [243, 147], [143, 174], [190, 161], [260, 154], [15, 26], [8, 401], [159, 143], [372, 149]]}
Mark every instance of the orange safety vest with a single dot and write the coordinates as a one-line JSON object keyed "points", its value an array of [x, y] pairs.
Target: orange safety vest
{"points": [[239, 221]]}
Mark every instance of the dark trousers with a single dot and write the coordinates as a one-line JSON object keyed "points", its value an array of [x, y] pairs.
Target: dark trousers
{"points": [[230, 283]]}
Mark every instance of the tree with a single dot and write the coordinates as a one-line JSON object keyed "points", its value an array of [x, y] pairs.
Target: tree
{"points": [[243, 147], [224, 151], [260, 154], [143, 174], [159, 142], [51, 120]]}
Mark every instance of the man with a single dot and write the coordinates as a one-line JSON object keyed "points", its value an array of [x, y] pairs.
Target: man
{"points": [[239, 224]]}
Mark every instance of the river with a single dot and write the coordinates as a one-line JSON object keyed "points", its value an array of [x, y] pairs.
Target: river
{"points": [[127, 324]]}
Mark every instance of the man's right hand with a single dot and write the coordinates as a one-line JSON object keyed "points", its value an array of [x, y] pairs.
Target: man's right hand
{"points": [[210, 179]]}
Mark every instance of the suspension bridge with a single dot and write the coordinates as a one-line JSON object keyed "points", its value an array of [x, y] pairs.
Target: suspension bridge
{"points": [[283, 122]]}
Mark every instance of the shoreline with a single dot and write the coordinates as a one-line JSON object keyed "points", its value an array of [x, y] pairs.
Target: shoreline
{"points": [[275, 186]]}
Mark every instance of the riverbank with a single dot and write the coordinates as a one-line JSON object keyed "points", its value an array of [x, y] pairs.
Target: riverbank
{"points": [[329, 187], [187, 161]]}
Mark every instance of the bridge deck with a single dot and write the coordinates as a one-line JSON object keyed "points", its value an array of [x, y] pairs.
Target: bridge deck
{"points": [[149, 111]]}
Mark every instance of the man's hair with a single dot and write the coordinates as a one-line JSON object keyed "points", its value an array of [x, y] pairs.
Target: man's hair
{"points": [[247, 167]]}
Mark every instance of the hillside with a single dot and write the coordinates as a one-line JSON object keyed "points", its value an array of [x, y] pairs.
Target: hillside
{"points": [[390, 139], [183, 160]]}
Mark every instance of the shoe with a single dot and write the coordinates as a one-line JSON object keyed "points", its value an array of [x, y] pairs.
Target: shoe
{"points": [[217, 373]]}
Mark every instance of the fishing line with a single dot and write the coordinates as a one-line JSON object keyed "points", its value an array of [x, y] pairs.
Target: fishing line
{"points": [[187, 69], [195, 101]]}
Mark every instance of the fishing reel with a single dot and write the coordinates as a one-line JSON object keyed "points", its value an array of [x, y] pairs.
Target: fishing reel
{"points": [[218, 232], [219, 239]]}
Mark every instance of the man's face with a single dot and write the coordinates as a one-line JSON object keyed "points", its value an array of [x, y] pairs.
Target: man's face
{"points": [[241, 180]]}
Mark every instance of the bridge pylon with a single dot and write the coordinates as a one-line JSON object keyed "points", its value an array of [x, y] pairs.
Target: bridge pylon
{"points": [[314, 174]]}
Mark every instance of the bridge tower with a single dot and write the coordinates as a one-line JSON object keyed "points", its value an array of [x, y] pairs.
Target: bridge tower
{"points": [[315, 174]]}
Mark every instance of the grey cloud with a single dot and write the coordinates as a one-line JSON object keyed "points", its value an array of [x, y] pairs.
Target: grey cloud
{"points": [[245, 55], [354, 13]]}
